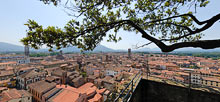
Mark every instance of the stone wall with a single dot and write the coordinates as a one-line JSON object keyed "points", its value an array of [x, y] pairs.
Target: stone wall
{"points": [[151, 91]]}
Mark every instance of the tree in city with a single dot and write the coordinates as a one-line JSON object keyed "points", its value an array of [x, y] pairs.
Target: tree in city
{"points": [[170, 24], [16, 70]]}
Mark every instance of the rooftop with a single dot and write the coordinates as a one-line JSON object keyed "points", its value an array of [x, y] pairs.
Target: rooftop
{"points": [[42, 86]]}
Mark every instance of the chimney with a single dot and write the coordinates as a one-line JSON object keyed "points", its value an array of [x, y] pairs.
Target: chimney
{"points": [[60, 81], [64, 77]]}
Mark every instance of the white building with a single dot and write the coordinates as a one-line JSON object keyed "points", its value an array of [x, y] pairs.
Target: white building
{"points": [[30, 77], [111, 72], [195, 78], [23, 61]]}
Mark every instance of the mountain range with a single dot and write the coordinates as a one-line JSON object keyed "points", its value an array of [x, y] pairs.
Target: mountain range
{"points": [[7, 47]]}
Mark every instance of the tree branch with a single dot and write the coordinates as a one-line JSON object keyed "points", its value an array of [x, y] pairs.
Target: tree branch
{"points": [[208, 24], [204, 44], [137, 47]]}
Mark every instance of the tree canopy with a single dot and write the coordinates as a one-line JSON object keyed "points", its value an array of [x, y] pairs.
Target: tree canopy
{"points": [[170, 24]]}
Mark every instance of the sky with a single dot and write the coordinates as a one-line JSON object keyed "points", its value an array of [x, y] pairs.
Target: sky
{"points": [[15, 13]]}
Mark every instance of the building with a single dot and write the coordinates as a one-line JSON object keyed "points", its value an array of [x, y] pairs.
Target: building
{"points": [[42, 90], [210, 81], [14, 95], [129, 53], [8, 64], [5, 75], [10, 83], [30, 77], [77, 82], [111, 72], [17, 59], [85, 93]]}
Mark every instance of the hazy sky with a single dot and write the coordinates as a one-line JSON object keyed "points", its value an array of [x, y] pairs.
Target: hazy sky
{"points": [[15, 13]]}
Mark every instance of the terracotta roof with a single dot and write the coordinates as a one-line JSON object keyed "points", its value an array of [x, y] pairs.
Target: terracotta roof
{"points": [[5, 63], [42, 86], [31, 73], [51, 78], [96, 98], [71, 94], [107, 92], [13, 94], [101, 91], [66, 96], [183, 73], [179, 78], [211, 79], [51, 92], [6, 73]]}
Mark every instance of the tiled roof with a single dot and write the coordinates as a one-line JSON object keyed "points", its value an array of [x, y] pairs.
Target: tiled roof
{"points": [[96, 98], [6, 73], [42, 86], [31, 73], [13, 94], [66, 96], [51, 92]]}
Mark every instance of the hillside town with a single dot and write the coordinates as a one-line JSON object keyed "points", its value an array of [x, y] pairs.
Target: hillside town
{"points": [[95, 77]]}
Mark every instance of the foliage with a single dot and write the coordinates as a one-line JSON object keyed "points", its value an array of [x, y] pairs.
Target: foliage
{"points": [[83, 74], [194, 67], [213, 55], [38, 54], [43, 54], [95, 19]]}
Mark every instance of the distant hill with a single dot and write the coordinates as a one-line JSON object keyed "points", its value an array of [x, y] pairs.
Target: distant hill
{"points": [[7, 47], [190, 49], [147, 50], [99, 48]]}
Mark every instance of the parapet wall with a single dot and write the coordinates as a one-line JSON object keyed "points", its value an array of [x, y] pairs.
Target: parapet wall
{"points": [[151, 91]]}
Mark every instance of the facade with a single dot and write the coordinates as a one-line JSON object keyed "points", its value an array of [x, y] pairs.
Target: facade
{"points": [[195, 78], [78, 81], [210, 81], [23, 61], [8, 64], [5, 75], [11, 83], [17, 59], [111, 72], [30, 77]]}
